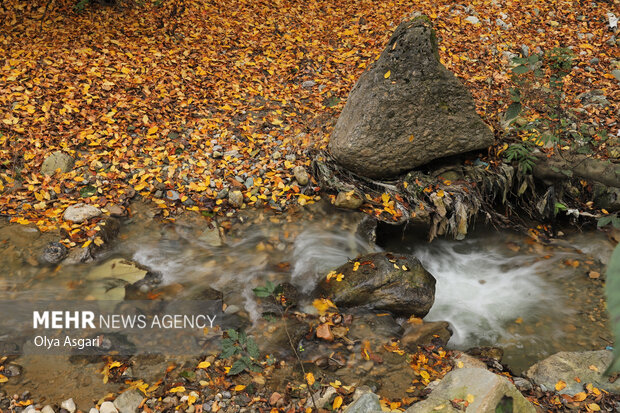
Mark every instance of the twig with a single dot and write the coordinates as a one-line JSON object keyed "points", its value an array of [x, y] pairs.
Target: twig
{"points": [[290, 342]]}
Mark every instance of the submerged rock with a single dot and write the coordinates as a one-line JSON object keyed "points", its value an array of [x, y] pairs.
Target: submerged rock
{"points": [[406, 110], [482, 389], [437, 333], [53, 253], [585, 366], [128, 401], [383, 281]]}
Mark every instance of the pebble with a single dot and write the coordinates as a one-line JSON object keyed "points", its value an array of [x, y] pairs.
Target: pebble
{"points": [[308, 84], [69, 405], [236, 199], [173, 195], [226, 395], [107, 407], [93, 410], [80, 212], [217, 154], [472, 19], [276, 155], [301, 175], [616, 73], [47, 409], [222, 194]]}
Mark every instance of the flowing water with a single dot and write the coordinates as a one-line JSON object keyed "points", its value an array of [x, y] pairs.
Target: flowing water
{"points": [[495, 288]]}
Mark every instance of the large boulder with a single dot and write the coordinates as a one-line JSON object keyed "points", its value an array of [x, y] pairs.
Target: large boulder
{"points": [[383, 281], [406, 110], [483, 390], [576, 369]]}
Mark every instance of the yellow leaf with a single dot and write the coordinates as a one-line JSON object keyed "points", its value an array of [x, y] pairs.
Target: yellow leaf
{"points": [[519, 320], [594, 407], [387, 74], [310, 379], [579, 397], [3, 379], [152, 130], [98, 241], [411, 138], [470, 398], [337, 402], [560, 385], [178, 389], [239, 387], [385, 198], [191, 399], [203, 365], [335, 384], [425, 375], [87, 243], [441, 193]]}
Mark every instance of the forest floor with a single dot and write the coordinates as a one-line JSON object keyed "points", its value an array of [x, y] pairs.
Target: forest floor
{"points": [[186, 101]]}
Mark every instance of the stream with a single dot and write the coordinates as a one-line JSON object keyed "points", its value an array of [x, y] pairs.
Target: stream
{"points": [[495, 288]]}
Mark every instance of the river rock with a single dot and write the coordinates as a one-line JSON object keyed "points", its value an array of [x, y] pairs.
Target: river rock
{"points": [[68, 405], [81, 212], [53, 253], [436, 333], [128, 401], [378, 329], [107, 407], [211, 236], [348, 200], [587, 366], [301, 175], [47, 409], [488, 390], [406, 110], [57, 160], [367, 402], [383, 281], [236, 199]]}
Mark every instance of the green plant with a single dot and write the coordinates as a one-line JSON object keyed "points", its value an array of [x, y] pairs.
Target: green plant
{"points": [[612, 219], [522, 154], [551, 123], [612, 292], [239, 344]]}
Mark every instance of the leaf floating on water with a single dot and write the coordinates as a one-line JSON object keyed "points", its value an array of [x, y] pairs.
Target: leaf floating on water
{"points": [[387, 74], [356, 266]]}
